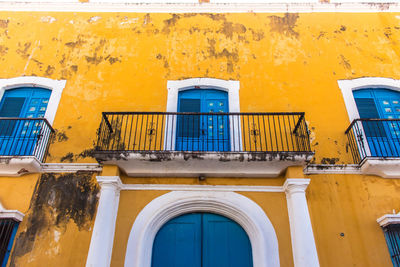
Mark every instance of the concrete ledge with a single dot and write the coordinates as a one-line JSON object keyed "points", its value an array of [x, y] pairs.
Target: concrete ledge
{"points": [[194, 164], [383, 167], [19, 165]]}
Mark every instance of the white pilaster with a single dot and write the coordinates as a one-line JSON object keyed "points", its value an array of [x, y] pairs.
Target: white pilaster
{"points": [[101, 244], [303, 243]]}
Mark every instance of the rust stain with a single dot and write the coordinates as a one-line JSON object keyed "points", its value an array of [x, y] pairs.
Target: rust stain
{"points": [[285, 25], [257, 35], [228, 28], [24, 51], [4, 23], [3, 50], [94, 59], [345, 62], [169, 23], [50, 70]]}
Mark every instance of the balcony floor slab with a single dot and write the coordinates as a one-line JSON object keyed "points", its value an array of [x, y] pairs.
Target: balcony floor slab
{"points": [[383, 167], [212, 164], [18, 165]]}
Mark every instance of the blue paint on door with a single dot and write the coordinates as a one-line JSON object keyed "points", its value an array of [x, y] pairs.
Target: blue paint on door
{"points": [[205, 132], [201, 240], [18, 137], [383, 137]]}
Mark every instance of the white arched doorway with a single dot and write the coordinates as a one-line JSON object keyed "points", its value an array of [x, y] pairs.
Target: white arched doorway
{"points": [[232, 205]]}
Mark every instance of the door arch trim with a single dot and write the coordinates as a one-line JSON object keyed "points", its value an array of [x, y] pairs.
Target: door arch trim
{"points": [[237, 207]]}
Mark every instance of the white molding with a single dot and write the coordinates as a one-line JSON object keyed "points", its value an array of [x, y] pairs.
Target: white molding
{"points": [[20, 165], [10, 214], [388, 219], [237, 207], [348, 86], [70, 167], [213, 188], [303, 242], [332, 169], [106, 7], [385, 167], [231, 87], [56, 87], [101, 243]]}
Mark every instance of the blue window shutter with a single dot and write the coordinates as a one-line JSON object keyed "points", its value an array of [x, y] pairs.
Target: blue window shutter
{"points": [[189, 125], [367, 108], [12, 106]]}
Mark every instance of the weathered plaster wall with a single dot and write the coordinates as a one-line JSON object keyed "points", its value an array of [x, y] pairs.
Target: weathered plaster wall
{"points": [[121, 62], [350, 204], [56, 230], [16, 193]]}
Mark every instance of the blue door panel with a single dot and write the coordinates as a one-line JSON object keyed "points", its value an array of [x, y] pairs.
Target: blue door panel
{"points": [[201, 240], [206, 132], [19, 137], [225, 243], [177, 244], [383, 137]]}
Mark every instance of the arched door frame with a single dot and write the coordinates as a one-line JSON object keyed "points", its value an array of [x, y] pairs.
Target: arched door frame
{"points": [[231, 87], [232, 205]]}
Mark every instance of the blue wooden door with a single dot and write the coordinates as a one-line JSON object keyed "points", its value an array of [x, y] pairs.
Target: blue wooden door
{"points": [[19, 137], [383, 137], [205, 132], [201, 240]]}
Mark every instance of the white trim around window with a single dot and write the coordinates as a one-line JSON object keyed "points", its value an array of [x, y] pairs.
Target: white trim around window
{"points": [[231, 87], [348, 86], [237, 207], [56, 87]]}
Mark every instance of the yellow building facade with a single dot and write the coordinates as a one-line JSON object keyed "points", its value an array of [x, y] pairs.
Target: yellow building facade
{"points": [[299, 172]]}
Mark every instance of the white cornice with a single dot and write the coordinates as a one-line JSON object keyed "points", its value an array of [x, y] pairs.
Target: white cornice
{"points": [[214, 188], [120, 6], [70, 167], [332, 169], [388, 219]]}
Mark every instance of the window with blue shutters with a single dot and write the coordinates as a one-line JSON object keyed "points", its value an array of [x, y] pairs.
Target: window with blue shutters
{"points": [[381, 110], [8, 229], [197, 131], [392, 236], [20, 136]]}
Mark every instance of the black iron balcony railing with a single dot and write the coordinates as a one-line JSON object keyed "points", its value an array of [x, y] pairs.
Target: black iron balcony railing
{"points": [[25, 137], [200, 132], [379, 138]]}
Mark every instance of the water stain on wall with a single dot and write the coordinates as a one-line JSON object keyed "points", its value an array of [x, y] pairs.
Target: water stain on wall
{"points": [[57, 200]]}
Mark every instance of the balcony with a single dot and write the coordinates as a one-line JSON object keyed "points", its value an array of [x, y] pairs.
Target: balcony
{"points": [[375, 146], [195, 144], [23, 144]]}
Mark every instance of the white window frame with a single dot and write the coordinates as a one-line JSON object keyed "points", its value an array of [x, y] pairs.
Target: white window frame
{"points": [[231, 87], [348, 86], [56, 87]]}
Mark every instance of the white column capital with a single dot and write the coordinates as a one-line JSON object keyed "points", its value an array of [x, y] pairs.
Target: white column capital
{"points": [[109, 182], [293, 185]]}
